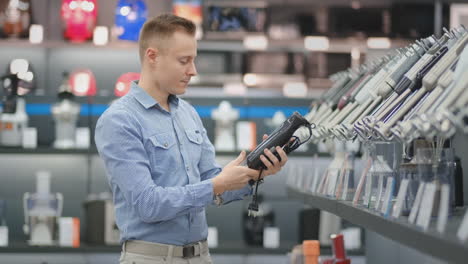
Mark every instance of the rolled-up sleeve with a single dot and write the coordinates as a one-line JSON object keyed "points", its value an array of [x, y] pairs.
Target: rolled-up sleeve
{"points": [[120, 145]]}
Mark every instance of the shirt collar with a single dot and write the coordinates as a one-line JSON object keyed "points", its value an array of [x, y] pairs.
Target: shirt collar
{"points": [[147, 100]]}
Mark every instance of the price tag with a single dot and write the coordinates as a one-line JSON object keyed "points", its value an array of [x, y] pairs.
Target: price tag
{"points": [[313, 187], [212, 237], [387, 199], [425, 210], [416, 203], [332, 183], [400, 198], [378, 201], [82, 137], [462, 233], [271, 237], [368, 190], [344, 195], [29, 138], [3, 236], [443, 208], [321, 187], [362, 180]]}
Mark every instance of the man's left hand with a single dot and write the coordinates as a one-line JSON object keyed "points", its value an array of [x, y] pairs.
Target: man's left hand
{"points": [[273, 165]]}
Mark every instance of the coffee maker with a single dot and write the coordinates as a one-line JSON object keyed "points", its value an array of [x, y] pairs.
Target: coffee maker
{"points": [[41, 212], [65, 113]]}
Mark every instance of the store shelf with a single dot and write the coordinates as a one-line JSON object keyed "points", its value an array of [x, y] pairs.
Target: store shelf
{"points": [[45, 150], [93, 150], [444, 246], [229, 247], [226, 248], [338, 45]]}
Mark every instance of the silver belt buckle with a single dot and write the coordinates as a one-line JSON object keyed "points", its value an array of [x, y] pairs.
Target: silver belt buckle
{"points": [[188, 251]]}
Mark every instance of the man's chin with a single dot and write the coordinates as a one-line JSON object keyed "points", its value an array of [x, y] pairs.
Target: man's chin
{"points": [[180, 90]]}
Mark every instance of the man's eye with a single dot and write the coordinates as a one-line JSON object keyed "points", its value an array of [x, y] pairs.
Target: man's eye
{"points": [[184, 61]]}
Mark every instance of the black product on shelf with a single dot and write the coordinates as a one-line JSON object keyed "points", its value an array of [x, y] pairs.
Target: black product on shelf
{"points": [[233, 19], [274, 63], [10, 93], [415, 20], [347, 21], [303, 18], [253, 226], [321, 64], [458, 178], [309, 223], [101, 228], [2, 212]]}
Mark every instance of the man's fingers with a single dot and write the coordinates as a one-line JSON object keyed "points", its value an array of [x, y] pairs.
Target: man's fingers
{"points": [[238, 160], [267, 163], [271, 156], [265, 136], [283, 155]]}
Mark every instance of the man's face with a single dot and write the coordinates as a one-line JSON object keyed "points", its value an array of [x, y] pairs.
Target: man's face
{"points": [[176, 64]]}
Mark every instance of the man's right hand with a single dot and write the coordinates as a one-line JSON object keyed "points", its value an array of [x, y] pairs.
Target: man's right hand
{"points": [[233, 176]]}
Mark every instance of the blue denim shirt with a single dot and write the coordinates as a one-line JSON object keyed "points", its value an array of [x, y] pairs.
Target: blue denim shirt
{"points": [[158, 165]]}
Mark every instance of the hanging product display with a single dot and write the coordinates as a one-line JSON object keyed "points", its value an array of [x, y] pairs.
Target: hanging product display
{"points": [[18, 81], [15, 17], [79, 19], [405, 108], [65, 113], [124, 82], [130, 15]]}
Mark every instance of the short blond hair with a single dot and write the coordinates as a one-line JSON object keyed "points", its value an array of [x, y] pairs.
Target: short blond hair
{"points": [[162, 27]]}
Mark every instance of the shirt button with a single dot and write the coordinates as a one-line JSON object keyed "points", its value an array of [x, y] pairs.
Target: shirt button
{"points": [[165, 145], [187, 168]]}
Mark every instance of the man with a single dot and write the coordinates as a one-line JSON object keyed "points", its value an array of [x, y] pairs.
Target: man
{"points": [[159, 161]]}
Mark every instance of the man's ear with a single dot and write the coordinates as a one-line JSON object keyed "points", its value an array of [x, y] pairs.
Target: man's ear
{"points": [[151, 55]]}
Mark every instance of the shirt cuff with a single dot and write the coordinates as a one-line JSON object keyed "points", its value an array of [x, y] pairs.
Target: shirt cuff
{"points": [[202, 192]]}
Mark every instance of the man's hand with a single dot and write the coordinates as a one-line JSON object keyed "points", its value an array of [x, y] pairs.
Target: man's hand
{"points": [[275, 165], [233, 176]]}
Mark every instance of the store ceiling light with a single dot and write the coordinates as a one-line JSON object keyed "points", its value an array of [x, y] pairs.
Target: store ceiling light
{"points": [[379, 43], [259, 42], [316, 43]]}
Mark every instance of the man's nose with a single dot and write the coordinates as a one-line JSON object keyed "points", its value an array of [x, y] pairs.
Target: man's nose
{"points": [[192, 71]]}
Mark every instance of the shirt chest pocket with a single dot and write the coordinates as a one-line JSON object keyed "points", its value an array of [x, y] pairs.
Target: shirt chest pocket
{"points": [[161, 150], [194, 143]]}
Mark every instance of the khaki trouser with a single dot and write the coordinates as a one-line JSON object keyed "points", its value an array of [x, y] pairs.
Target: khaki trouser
{"points": [[142, 252]]}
